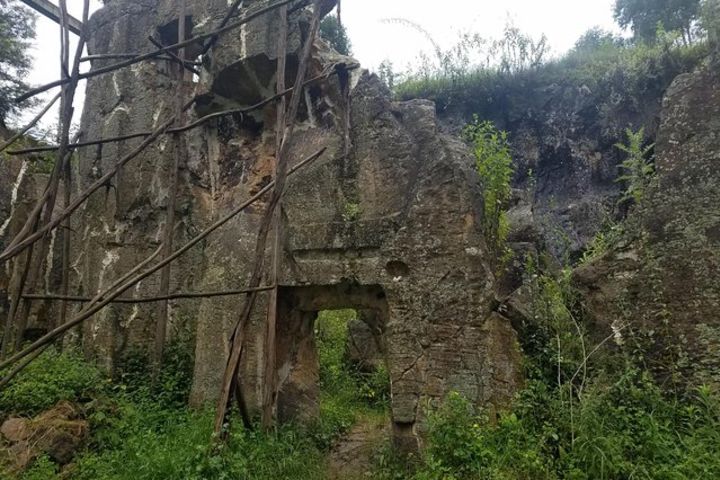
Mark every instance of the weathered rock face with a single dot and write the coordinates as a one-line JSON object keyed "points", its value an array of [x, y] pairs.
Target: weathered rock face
{"points": [[665, 276], [21, 184], [388, 224], [563, 135]]}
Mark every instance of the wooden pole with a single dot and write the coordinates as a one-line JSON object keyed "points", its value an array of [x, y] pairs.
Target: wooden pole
{"points": [[177, 152], [13, 250], [66, 114], [230, 376], [51, 11], [171, 296], [108, 295], [146, 56], [30, 124], [197, 123], [270, 353]]}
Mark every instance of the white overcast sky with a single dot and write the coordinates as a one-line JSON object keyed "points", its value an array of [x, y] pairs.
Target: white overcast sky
{"points": [[373, 40]]}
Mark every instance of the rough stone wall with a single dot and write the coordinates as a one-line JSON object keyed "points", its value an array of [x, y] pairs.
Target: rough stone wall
{"points": [[400, 214], [664, 277], [22, 182]]}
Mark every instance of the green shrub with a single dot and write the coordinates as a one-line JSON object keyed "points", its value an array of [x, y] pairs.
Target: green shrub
{"points": [[638, 169], [604, 84], [133, 375], [495, 167], [462, 444], [52, 377], [154, 443], [41, 469]]}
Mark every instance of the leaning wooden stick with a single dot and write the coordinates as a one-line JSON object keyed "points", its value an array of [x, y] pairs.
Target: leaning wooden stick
{"points": [[170, 296], [109, 296], [169, 232], [102, 181], [59, 331], [66, 115], [270, 355], [237, 339]]}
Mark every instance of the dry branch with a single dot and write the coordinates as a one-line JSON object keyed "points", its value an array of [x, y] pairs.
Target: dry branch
{"points": [[168, 234], [175, 58], [66, 113], [270, 354], [50, 225], [171, 296], [125, 56], [228, 15]]}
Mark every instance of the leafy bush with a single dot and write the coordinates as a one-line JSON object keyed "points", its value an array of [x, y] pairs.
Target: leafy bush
{"points": [[152, 443], [52, 377], [133, 374], [618, 429], [587, 412], [41, 469], [495, 167], [603, 84]]}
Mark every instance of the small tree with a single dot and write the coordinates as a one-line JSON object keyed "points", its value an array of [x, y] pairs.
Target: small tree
{"points": [[386, 73], [644, 16], [334, 32], [17, 28], [638, 169], [710, 21], [495, 167]]}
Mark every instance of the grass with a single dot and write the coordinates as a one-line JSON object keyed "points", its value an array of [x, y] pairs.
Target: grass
{"points": [[141, 432]]}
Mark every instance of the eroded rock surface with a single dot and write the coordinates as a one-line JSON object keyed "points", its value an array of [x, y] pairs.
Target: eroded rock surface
{"points": [[664, 278], [386, 221]]}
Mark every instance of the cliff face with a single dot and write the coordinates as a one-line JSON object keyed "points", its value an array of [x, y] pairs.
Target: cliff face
{"points": [[563, 120], [386, 221], [662, 283]]}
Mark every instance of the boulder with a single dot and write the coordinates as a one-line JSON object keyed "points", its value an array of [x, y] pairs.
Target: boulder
{"points": [[58, 433]]}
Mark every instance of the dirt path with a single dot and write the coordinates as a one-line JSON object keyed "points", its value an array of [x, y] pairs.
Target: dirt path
{"points": [[351, 458]]}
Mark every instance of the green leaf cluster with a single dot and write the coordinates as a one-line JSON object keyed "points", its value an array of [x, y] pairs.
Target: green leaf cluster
{"points": [[495, 167]]}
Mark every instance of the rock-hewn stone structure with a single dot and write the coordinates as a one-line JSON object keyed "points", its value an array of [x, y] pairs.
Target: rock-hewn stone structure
{"points": [[388, 223], [664, 277]]}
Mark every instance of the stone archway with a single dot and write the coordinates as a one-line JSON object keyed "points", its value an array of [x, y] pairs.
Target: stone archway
{"points": [[297, 357]]}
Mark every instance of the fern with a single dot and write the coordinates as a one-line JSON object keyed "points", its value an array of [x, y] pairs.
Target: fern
{"points": [[638, 169]]}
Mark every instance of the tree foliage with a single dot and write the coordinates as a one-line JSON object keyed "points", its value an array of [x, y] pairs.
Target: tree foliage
{"points": [[336, 35], [710, 21], [644, 16], [17, 28]]}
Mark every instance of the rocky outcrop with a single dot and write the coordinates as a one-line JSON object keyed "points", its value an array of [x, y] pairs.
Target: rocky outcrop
{"points": [[663, 281], [386, 221], [564, 119], [58, 433], [22, 182]]}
